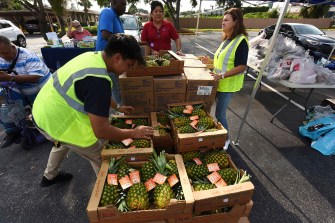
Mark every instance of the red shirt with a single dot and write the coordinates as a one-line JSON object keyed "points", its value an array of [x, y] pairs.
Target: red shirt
{"points": [[159, 39], [79, 35]]}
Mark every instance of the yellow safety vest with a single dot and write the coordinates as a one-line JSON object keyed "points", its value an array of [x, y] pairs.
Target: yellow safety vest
{"points": [[224, 61], [58, 111]]}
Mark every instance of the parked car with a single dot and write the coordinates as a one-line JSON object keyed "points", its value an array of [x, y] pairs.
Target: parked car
{"points": [[34, 26], [132, 26], [12, 32], [307, 36]]}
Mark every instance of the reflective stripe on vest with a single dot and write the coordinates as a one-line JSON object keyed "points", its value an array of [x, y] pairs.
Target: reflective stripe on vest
{"points": [[227, 56], [62, 90]]}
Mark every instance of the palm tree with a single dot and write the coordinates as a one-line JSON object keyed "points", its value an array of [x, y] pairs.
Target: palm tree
{"points": [[87, 5], [58, 7]]}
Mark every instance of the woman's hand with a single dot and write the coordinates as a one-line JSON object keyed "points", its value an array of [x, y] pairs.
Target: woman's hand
{"points": [[143, 132], [126, 109], [217, 77], [180, 53]]}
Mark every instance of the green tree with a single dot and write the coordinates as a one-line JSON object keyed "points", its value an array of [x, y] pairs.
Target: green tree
{"points": [[132, 9], [316, 11], [58, 7]]}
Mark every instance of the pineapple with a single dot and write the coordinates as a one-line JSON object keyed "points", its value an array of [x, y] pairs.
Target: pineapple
{"points": [[206, 121], [141, 121], [181, 121], [166, 56], [172, 167], [162, 119], [186, 129], [141, 143], [147, 171], [163, 193], [162, 131], [218, 157], [197, 172], [115, 145], [120, 125], [109, 196], [189, 156], [177, 110], [199, 186], [123, 170], [137, 197], [200, 112], [166, 63], [228, 175]]}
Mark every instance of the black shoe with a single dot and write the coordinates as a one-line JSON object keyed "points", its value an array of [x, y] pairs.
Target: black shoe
{"points": [[10, 139], [61, 177]]}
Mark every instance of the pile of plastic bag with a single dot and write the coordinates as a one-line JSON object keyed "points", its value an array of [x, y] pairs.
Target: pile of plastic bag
{"points": [[320, 129], [289, 61]]}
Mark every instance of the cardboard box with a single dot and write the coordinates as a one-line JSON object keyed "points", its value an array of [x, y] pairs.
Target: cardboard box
{"points": [[161, 142], [140, 109], [170, 84], [111, 214], [136, 84], [162, 100], [200, 82], [176, 67], [238, 214], [199, 140], [137, 98]]}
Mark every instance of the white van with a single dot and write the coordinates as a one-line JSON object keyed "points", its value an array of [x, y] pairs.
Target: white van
{"points": [[12, 32]]}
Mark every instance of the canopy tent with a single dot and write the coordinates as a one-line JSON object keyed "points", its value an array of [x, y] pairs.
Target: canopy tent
{"points": [[269, 51], [268, 56]]}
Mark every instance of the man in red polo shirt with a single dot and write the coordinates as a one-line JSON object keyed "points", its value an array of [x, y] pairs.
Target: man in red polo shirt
{"points": [[157, 33]]}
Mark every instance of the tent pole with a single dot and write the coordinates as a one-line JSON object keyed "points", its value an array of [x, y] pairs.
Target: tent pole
{"points": [[196, 31], [264, 64]]}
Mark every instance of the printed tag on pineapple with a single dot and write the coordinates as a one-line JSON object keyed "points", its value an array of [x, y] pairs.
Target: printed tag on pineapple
{"points": [[127, 142], [135, 177], [213, 167], [150, 184], [159, 178], [194, 117], [197, 161], [187, 111], [189, 107], [214, 177], [129, 121], [112, 179], [194, 123], [173, 180], [221, 183], [125, 182]]}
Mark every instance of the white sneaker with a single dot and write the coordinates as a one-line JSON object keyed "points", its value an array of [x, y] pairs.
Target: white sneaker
{"points": [[226, 145]]}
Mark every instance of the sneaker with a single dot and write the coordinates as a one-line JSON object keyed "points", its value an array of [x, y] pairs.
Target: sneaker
{"points": [[226, 145], [10, 139], [61, 177]]}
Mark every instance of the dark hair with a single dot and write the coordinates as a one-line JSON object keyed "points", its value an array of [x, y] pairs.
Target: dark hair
{"points": [[154, 4], [126, 45], [237, 16], [5, 41]]}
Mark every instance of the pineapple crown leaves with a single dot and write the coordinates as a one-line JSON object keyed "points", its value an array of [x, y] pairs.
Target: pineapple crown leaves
{"points": [[198, 106], [114, 164], [173, 115], [202, 181], [160, 162], [245, 177], [115, 119]]}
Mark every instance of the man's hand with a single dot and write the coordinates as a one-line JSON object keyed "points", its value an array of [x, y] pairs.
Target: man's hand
{"points": [[4, 76], [143, 132], [126, 109]]}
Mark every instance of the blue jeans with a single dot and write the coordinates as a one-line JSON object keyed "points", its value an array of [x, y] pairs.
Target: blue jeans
{"points": [[222, 102], [11, 127]]}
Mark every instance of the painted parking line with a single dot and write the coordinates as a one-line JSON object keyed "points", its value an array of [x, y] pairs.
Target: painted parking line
{"points": [[263, 84]]}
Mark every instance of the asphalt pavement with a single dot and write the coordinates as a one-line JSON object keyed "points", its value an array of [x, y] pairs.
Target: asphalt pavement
{"points": [[293, 182]]}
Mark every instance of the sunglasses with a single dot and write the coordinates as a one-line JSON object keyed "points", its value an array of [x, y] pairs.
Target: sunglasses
{"points": [[77, 26]]}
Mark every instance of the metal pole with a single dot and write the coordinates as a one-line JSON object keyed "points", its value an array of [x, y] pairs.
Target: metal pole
{"points": [[264, 63], [196, 31]]}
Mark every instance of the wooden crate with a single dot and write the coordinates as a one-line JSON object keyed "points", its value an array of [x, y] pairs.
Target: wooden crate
{"points": [[161, 142], [199, 140], [111, 214], [176, 67], [132, 154], [238, 214]]}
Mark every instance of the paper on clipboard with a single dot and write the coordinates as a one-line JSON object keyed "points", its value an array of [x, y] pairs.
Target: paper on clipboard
{"points": [[52, 35]]}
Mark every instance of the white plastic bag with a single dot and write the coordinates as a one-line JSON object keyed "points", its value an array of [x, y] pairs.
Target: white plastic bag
{"points": [[302, 72]]}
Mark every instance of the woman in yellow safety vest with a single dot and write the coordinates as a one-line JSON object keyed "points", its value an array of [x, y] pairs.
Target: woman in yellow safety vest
{"points": [[230, 61]]}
